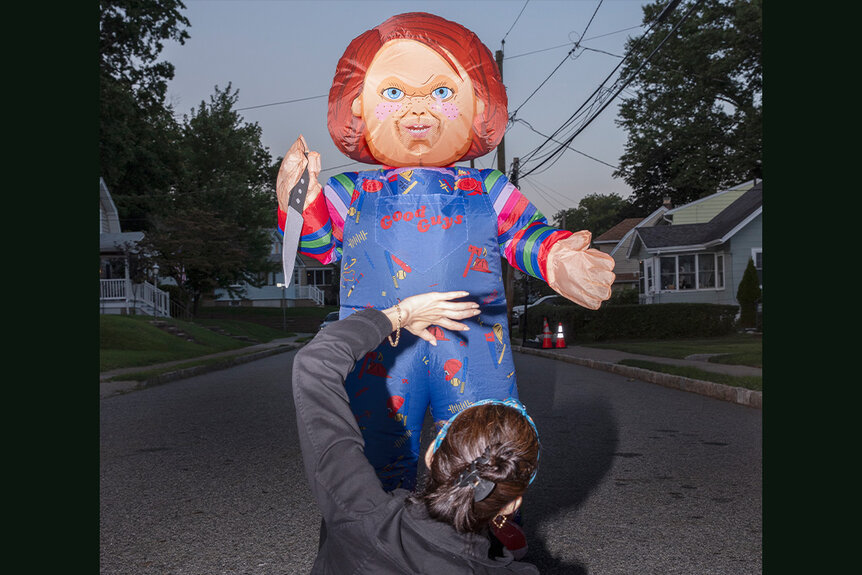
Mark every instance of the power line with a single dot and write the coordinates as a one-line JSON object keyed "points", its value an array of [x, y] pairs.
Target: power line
{"points": [[280, 103], [670, 6], [571, 148], [575, 47], [541, 192], [503, 41], [564, 145], [570, 43]]}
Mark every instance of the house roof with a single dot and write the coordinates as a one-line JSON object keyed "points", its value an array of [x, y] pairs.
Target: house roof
{"points": [[650, 220], [716, 231], [107, 209], [704, 209], [115, 242], [617, 232]]}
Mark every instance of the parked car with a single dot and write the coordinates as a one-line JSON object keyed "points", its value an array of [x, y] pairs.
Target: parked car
{"points": [[552, 299], [330, 317]]}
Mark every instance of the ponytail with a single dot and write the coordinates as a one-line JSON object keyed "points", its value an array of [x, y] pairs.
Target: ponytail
{"points": [[486, 458]]}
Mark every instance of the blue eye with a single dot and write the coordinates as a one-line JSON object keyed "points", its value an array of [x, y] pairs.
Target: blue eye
{"points": [[392, 94], [442, 92]]}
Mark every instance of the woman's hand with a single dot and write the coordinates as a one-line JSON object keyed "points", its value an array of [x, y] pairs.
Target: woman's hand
{"points": [[420, 311]]}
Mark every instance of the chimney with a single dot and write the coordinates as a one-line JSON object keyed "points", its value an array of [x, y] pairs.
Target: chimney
{"points": [[666, 202]]}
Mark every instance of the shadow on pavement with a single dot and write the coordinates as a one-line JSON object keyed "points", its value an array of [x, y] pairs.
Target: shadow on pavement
{"points": [[573, 461]]}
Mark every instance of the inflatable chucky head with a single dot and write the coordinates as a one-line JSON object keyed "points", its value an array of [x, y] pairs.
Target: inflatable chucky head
{"points": [[417, 90]]}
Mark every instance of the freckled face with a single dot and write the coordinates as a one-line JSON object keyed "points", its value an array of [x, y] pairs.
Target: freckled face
{"points": [[416, 108]]}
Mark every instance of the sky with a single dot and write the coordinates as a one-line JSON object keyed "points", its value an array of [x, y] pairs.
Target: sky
{"points": [[281, 56]]}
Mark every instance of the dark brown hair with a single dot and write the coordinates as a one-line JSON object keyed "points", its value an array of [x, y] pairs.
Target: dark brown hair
{"points": [[509, 444], [348, 131]]}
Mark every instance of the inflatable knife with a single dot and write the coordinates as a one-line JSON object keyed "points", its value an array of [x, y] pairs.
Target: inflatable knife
{"points": [[293, 224]]}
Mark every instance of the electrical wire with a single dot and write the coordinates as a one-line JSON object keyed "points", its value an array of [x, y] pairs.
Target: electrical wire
{"points": [[580, 111], [575, 47], [280, 103], [571, 148], [503, 41], [614, 90]]}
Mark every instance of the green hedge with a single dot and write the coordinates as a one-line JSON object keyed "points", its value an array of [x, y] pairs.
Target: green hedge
{"points": [[653, 321]]}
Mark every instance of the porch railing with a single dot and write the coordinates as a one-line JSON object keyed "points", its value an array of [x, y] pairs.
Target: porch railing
{"points": [[143, 297], [316, 294]]}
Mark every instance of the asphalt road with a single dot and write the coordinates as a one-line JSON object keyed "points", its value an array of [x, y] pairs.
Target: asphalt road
{"points": [[202, 476]]}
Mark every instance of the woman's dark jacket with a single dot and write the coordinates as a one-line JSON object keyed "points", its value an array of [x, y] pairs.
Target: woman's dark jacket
{"points": [[368, 531]]}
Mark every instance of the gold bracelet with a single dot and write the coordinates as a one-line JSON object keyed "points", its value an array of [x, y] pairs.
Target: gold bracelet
{"points": [[398, 330]]}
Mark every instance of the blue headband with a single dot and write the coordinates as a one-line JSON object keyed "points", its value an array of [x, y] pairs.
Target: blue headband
{"points": [[510, 402]]}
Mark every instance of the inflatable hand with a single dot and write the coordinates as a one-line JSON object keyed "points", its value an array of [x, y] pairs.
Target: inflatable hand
{"points": [[298, 157], [580, 273]]}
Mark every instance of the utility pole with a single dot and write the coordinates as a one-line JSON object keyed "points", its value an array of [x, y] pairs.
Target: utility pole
{"points": [[501, 147], [508, 274], [516, 164]]}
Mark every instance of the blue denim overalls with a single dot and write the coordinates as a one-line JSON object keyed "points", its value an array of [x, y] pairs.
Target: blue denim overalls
{"points": [[408, 232]]}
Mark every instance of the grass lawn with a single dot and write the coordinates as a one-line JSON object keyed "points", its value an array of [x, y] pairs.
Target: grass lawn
{"points": [[736, 349], [133, 341], [752, 382]]}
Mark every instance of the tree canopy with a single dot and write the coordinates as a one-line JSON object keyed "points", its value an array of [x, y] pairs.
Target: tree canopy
{"points": [[202, 188], [694, 121], [595, 212], [214, 230], [137, 130]]}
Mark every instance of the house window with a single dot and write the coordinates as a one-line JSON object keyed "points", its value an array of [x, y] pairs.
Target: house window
{"points": [[686, 272], [706, 272], [692, 271], [646, 280], [668, 273], [320, 277], [757, 256], [719, 273]]}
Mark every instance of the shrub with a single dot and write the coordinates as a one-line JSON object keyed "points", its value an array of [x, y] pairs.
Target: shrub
{"points": [[748, 294], [653, 321], [628, 296]]}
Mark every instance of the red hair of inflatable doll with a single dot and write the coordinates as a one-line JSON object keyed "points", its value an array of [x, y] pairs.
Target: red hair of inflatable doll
{"points": [[348, 131]]}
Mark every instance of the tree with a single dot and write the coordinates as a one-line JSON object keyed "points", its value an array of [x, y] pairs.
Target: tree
{"points": [[695, 122], [137, 132], [596, 213], [748, 294], [214, 230]]}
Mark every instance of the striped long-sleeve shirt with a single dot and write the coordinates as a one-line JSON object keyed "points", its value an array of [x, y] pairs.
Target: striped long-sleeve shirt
{"points": [[523, 233]]}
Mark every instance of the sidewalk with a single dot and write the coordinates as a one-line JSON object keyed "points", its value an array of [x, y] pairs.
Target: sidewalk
{"points": [[595, 358], [607, 360]]}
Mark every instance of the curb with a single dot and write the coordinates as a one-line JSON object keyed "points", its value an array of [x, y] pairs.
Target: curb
{"points": [[123, 387], [739, 395], [215, 366]]}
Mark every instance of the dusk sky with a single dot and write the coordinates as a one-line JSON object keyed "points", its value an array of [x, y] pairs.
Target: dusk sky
{"points": [[281, 56]]}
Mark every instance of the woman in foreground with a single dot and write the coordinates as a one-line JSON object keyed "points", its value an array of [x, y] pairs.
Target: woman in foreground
{"points": [[480, 464]]}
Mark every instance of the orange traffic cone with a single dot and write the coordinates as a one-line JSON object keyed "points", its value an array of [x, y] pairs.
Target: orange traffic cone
{"points": [[546, 335], [561, 341]]}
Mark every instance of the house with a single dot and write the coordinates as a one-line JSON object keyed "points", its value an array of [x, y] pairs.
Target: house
{"points": [[699, 251], [310, 284], [616, 242], [118, 253]]}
